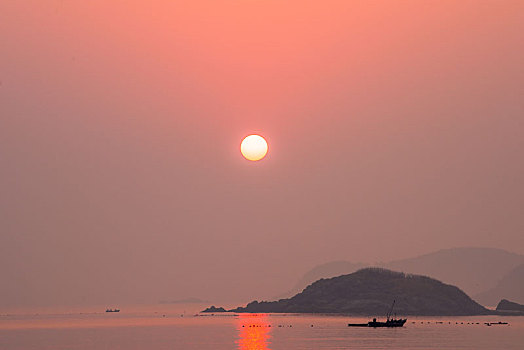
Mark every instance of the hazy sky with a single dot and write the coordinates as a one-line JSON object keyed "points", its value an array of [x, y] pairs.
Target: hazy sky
{"points": [[395, 128]]}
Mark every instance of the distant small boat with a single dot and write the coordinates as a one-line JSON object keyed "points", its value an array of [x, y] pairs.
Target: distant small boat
{"points": [[112, 310], [390, 322]]}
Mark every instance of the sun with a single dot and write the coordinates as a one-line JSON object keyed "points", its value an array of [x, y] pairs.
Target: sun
{"points": [[254, 147]]}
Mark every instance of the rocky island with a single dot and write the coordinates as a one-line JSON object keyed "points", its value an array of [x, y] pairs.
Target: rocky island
{"points": [[371, 291], [215, 309], [509, 306]]}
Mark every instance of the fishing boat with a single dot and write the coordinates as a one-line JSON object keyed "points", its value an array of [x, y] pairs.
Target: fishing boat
{"points": [[390, 322], [112, 310]]}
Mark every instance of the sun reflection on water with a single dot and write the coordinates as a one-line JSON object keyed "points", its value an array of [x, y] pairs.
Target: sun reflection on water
{"points": [[254, 332]]}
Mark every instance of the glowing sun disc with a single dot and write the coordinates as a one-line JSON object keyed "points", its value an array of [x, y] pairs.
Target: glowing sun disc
{"points": [[253, 147]]}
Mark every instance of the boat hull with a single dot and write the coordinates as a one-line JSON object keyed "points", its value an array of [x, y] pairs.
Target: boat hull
{"points": [[388, 323], [376, 324]]}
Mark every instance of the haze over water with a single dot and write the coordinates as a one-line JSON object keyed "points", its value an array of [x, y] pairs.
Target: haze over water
{"points": [[157, 328]]}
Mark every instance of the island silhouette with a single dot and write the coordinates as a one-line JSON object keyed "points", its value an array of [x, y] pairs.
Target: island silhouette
{"points": [[370, 291], [486, 274]]}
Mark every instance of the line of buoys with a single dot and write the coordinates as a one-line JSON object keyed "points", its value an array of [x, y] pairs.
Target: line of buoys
{"points": [[493, 323], [413, 322], [464, 323], [279, 326]]}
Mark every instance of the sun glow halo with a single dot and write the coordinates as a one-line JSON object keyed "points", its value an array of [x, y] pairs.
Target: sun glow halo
{"points": [[254, 147]]}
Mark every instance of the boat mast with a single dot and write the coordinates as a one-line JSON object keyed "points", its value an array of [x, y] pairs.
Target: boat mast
{"points": [[391, 311]]}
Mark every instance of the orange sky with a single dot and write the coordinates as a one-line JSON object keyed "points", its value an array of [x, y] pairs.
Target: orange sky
{"points": [[395, 128]]}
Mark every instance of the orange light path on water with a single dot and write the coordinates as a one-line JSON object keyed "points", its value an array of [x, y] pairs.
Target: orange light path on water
{"points": [[254, 332]]}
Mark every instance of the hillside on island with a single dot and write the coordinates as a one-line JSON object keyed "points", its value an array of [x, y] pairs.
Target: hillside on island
{"points": [[371, 291], [506, 305], [474, 270]]}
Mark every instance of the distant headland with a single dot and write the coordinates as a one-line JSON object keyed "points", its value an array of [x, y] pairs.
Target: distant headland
{"points": [[510, 307], [370, 291]]}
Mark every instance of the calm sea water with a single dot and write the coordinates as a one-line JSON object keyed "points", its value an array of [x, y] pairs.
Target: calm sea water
{"points": [[172, 327]]}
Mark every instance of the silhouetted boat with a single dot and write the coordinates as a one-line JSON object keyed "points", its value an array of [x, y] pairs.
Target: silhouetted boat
{"points": [[112, 310], [390, 322]]}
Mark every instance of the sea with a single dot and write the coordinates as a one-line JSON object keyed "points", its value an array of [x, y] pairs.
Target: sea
{"points": [[165, 326]]}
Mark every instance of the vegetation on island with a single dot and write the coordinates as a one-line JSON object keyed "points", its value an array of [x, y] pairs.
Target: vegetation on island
{"points": [[371, 291]]}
